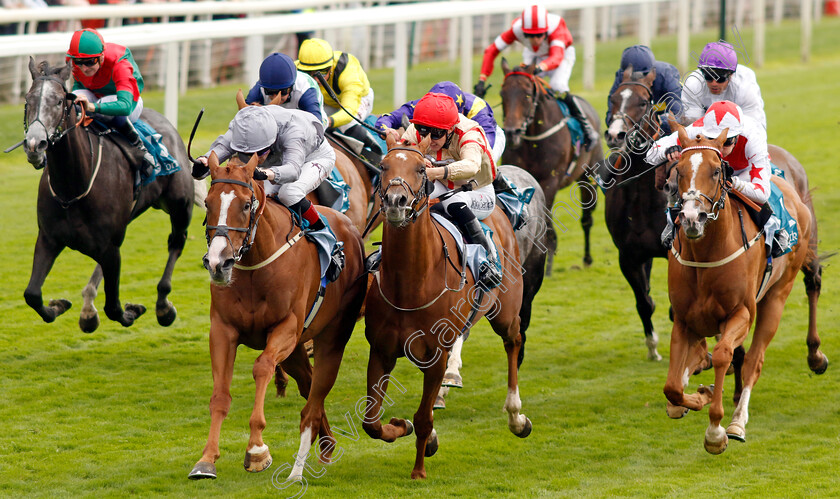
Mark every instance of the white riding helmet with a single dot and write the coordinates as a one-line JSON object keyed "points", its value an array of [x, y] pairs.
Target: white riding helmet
{"points": [[253, 129], [721, 114]]}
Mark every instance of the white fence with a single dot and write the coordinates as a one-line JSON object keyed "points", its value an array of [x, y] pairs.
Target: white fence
{"points": [[185, 47]]}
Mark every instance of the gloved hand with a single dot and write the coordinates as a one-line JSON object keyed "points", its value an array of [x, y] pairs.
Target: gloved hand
{"points": [[200, 170], [673, 153], [737, 184], [538, 69], [260, 174], [480, 90]]}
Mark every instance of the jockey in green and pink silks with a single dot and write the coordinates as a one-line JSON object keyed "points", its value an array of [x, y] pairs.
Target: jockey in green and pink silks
{"points": [[108, 83]]}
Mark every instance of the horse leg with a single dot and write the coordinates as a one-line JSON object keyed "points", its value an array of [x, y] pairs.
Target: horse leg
{"points": [[298, 367], [379, 370], [817, 361], [180, 220], [427, 439], [42, 262], [452, 376], [588, 199], [682, 346], [737, 365], [733, 332], [281, 341], [89, 318], [110, 262], [638, 276], [222, 355]]}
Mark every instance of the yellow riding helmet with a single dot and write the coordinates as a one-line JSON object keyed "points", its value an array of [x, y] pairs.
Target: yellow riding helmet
{"points": [[315, 54]]}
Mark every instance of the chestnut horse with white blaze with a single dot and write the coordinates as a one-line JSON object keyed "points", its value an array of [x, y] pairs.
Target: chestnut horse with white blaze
{"points": [[266, 277], [411, 301], [715, 274]]}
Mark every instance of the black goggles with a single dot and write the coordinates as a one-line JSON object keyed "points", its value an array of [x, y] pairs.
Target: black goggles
{"points": [[273, 91], [534, 35], [718, 76], [245, 157], [731, 141], [89, 62], [424, 130]]}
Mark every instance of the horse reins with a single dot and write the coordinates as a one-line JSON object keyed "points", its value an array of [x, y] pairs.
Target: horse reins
{"points": [[250, 231]]}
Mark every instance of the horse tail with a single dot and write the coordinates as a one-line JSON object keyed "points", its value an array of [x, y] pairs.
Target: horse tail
{"points": [[281, 381]]}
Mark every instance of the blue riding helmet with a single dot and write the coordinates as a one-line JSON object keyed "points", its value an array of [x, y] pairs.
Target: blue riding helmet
{"points": [[639, 56], [277, 72]]}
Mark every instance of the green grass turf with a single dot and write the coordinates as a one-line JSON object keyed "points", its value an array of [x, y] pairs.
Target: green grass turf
{"points": [[124, 411]]}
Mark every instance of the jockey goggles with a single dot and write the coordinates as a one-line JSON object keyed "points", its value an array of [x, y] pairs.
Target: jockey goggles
{"points": [[534, 35], [436, 133], [274, 91], [89, 61], [245, 157], [730, 141], [719, 76]]}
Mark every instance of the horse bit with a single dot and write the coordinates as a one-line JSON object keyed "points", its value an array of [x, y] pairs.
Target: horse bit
{"points": [[421, 195]]}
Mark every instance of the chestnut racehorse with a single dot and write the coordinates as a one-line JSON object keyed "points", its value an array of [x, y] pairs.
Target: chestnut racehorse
{"points": [[539, 141], [715, 272], [357, 211], [266, 278], [411, 301]]}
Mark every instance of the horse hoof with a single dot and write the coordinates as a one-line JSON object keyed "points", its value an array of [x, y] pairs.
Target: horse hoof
{"points": [[203, 469], [440, 403], [526, 430], [453, 380], [166, 316], [89, 324], [134, 311], [675, 411], [822, 367], [60, 306], [736, 431], [409, 428], [431, 444], [716, 448], [254, 463]]}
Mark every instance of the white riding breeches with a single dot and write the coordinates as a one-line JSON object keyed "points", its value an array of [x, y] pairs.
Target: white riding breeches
{"points": [[317, 167], [481, 201], [558, 78], [499, 144], [365, 108], [91, 97]]}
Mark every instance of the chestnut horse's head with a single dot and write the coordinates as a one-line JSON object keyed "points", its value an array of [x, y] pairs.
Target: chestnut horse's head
{"points": [[404, 187], [520, 94], [233, 209], [47, 110], [631, 105], [700, 181]]}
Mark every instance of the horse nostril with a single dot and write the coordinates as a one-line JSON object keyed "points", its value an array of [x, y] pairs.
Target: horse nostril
{"points": [[621, 135], [402, 201], [228, 264], [701, 218]]}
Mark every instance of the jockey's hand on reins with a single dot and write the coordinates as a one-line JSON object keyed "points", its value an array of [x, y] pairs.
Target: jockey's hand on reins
{"points": [[200, 170], [259, 174]]}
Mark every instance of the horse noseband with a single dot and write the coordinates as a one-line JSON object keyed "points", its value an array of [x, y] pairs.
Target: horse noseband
{"points": [[222, 230]]}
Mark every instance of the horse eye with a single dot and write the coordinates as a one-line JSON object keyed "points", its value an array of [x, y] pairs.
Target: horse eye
{"points": [[247, 207], [717, 172]]}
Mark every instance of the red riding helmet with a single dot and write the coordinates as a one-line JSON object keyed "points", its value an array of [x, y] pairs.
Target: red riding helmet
{"points": [[436, 111], [535, 20], [86, 43]]}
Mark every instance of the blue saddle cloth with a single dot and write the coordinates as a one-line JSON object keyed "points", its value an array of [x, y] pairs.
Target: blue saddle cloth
{"points": [[787, 234], [575, 128], [165, 164], [371, 120], [514, 204], [473, 254]]}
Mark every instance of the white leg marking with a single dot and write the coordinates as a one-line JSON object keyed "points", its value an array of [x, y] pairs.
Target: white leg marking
{"points": [[715, 434], [685, 378], [513, 404], [652, 343], [258, 449], [219, 243], [453, 365], [89, 294], [741, 414], [303, 452]]}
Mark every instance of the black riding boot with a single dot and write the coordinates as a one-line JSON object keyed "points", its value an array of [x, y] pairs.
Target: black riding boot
{"points": [[125, 127], [590, 136], [371, 150], [501, 184], [489, 276]]}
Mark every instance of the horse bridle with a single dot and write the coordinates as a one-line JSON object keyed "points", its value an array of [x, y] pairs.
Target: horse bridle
{"points": [[59, 131], [421, 197], [694, 195], [636, 126], [532, 112], [250, 231]]}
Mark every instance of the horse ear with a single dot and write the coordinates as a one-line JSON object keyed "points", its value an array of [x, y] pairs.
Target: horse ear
{"points": [[627, 75], [651, 76], [721, 138], [390, 141], [277, 100], [681, 134], [252, 165], [672, 120], [240, 99], [32, 70], [424, 144], [505, 66], [64, 73], [213, 163]]}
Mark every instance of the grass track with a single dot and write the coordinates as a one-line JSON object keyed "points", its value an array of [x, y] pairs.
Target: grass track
{"points": [[124, 411]]}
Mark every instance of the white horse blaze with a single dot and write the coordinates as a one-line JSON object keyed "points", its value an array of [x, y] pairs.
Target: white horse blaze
{"points": [[617, 125], [402, 156], [696, 160], [219, 243]]}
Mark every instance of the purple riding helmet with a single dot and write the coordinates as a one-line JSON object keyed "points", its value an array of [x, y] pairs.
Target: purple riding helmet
{"points": [[718, 55]]}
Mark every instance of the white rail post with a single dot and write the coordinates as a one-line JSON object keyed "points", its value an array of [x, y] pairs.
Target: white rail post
{"points": [[400, 63], [452, 40], [758, 27], [254, 53], [466, 52], [589, 35], [172, 78], [644, 23], [682, 35], [778, 11], [805, 17]]}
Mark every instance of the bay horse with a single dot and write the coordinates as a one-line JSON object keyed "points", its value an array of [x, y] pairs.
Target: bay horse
{"points": [[539, 141], [410, 304], [358, 195], [634, 207], [85, 198], [715, 272], [265, 278]]}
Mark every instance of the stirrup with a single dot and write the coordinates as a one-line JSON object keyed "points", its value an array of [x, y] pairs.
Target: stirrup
{"points": [[336, 262], [489, 276], [667, 236]]}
